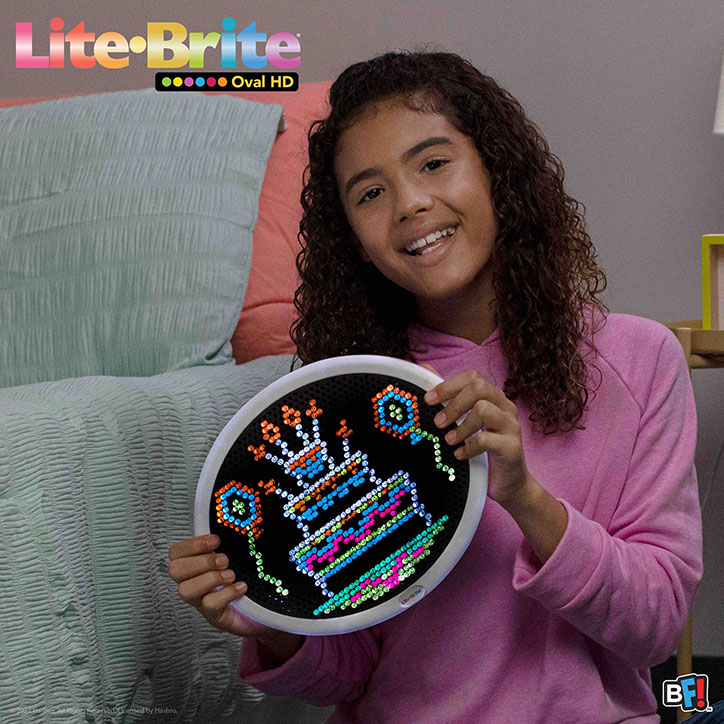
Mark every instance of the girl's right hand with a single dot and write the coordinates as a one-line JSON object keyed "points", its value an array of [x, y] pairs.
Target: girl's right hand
{"points": [[199, 572]]}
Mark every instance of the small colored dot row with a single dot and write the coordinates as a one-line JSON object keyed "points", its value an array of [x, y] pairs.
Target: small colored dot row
{"points": [[367, 542], [319, 496], [381, 578], [364, 536], [260, 569], [366, 503], [188, 81]]}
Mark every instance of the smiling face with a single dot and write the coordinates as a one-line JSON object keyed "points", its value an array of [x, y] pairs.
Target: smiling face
{"points": [[411, 178]]}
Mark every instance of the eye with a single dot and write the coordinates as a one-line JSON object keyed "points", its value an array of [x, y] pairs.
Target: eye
{"points": [[370, 196], [435, 163]]}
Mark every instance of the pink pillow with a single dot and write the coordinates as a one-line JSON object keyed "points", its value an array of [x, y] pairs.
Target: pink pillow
{"points": [[268, 310]]}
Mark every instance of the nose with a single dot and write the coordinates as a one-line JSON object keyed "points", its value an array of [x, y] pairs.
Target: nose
{"points": [[411, 199]]}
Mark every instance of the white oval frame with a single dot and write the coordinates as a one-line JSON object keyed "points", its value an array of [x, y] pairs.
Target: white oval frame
{"points": [[334, 366]]}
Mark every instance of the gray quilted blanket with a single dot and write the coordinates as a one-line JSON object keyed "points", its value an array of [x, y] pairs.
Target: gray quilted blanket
{"points": [[97, 479]]}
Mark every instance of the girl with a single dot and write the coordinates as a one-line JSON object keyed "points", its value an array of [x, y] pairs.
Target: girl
{"points": [[436, 229]]}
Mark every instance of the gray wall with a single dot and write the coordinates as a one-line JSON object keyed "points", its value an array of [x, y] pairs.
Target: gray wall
{"points": [[624, 91]]}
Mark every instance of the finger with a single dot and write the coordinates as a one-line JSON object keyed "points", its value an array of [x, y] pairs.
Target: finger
{"points": [[194, 589], [215, 603], [232, 619], [193, 546], [475, 389], [483, 414], [448, 389], [483, 441], [180, 569]]}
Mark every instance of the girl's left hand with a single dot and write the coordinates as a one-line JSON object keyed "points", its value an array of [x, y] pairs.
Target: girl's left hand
{"points": [[487, 407]]}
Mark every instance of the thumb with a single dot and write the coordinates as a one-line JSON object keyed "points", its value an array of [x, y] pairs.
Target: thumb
{"points": [[430, 367]]}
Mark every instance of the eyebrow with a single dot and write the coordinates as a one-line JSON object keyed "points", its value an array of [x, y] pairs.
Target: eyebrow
{"points": [[406, 156]]}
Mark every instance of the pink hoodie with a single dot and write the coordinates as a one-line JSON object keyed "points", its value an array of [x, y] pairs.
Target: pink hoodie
{"points": [[500, 641]]}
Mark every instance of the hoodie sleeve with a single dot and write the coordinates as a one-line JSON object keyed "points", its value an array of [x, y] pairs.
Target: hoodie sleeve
{"points": [[326, 670], [630, 587]]}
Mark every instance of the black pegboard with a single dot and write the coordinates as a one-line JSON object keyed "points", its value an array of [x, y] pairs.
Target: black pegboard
{"points": [[346, 404]]}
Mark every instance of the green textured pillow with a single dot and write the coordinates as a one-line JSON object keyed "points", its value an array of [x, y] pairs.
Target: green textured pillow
{"points": [[126, 231]]}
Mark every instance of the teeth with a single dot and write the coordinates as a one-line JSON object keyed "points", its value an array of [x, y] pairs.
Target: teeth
{"points": [[428, 249], [429, 239]]}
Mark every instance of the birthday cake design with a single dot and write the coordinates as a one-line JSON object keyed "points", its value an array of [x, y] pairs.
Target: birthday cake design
{"points": [[343, 510]]}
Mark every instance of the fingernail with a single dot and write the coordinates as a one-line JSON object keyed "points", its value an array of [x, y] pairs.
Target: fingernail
{"points": [[212, 541], [440, 418], [228, 575], [450, 437], [220, 561], [241, 586], [431, 397]]}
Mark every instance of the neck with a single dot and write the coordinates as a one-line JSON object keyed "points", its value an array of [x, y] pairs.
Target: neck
{"points": [[472, 322]]}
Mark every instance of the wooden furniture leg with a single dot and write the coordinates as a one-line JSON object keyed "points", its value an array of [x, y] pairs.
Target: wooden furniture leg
{"points": [[683, 662], [684, 653]]}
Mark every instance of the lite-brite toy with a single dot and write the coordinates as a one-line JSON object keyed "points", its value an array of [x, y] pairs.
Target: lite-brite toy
{"points": [[336, 498]]}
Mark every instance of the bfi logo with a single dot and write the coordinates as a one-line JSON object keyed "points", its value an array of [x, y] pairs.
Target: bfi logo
{"points": [[690, 692]]}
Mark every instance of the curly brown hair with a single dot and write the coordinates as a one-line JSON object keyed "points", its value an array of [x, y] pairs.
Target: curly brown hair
{"points": [[545, 275]]}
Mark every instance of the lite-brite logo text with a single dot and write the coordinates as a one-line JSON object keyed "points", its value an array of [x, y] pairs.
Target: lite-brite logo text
{"points": [[165, 46], [412, 597], [690, 692]]}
